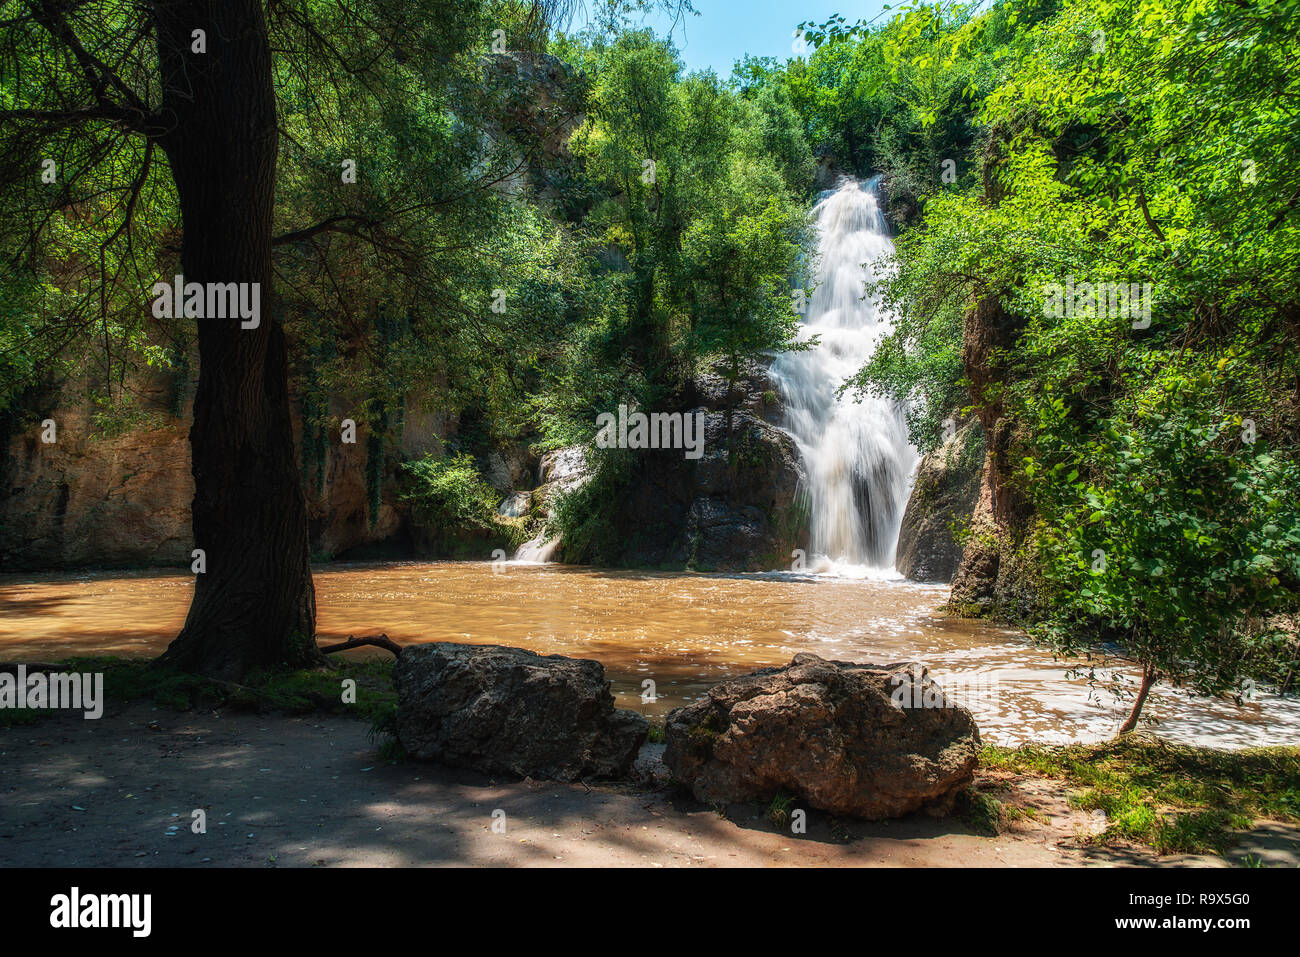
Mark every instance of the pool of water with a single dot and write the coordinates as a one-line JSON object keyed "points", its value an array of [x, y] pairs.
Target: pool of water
{"points": [[682, 631]]}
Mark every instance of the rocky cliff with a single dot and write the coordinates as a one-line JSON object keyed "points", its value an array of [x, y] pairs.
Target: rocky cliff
{"points": [[943, 500], [738, 507], [114, 488]]}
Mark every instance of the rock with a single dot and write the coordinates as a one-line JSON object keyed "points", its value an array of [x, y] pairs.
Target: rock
{"points": [[736, 508], [497, 473], [567, 465], [508, 469], [945, 493], [561, 471], [509, 711], [115, 489], [871, 741], [515, 505], [996, 576], [828, 172], [107, 492], [538, 102], [753, 391]]}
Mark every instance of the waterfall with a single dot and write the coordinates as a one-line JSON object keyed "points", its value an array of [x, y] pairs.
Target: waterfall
{"points": [[857, 456], [562, 470]]}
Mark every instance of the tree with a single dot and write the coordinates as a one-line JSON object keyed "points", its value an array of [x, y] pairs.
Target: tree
{"points": [[204, 97], [1123, 150], [739, 255], [1180, 544], [195, 82]]}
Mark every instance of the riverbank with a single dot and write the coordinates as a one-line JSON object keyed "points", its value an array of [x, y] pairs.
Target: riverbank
{"points": [[313, 790]]}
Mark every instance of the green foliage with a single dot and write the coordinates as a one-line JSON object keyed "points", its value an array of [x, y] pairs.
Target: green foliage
{"points": [[449, 493], [697, 221], [1175, 799], [579, 515], [1101, 143], [1165, 526], [778, 810]]}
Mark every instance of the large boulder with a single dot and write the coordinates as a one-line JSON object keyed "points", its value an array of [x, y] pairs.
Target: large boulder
{"points": [[510, 711], [871, 741], [736, 508], [943, 498], [737, 504]]}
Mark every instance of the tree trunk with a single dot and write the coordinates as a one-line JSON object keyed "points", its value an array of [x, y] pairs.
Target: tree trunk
{"points": [[1148, 680], [254, 606]]}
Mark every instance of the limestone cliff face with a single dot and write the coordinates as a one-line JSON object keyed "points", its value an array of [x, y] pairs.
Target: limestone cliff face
{"points": [[116, 493], [96, 498]]}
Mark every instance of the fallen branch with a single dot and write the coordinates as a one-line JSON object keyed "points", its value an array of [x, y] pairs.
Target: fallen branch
{"points": [[379, 641]]}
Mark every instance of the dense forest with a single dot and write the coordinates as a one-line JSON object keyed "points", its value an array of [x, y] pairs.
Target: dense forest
{"points": [[486, 228], [1142, 466]]}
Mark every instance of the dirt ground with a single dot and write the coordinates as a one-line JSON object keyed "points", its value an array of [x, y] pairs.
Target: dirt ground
{"points": [[282, 791]]}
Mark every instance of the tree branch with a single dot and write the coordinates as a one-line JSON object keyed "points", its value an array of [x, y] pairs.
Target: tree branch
{"points": [[332, 224], [379, 641]]}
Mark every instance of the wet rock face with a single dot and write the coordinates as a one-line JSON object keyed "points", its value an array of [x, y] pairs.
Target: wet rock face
{"points": [[945, 493], [509, 711], [737, 507], [871, 741], [753, 392]]}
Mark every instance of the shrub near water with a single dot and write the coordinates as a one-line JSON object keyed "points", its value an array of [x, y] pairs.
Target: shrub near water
{"points": [[1172, 526], [451, 497]]}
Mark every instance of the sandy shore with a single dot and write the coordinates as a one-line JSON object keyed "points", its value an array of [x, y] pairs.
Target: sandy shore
{"points": [[302, 792]]}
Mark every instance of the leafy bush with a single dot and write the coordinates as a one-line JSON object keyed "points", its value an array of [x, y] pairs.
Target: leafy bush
{"points": [[449, 493]]}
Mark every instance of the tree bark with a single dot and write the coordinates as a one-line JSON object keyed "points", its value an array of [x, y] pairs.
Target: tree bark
{"points": [[1148, 680], [255, 606]]}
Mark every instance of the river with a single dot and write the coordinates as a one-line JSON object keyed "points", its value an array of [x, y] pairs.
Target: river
{"points": [[682, 631]]}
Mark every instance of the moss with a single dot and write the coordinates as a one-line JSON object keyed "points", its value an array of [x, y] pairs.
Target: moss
{"points": [[981, 812]]}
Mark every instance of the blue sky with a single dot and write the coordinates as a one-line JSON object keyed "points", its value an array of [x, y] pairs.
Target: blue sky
{"points": [[725, 30]]}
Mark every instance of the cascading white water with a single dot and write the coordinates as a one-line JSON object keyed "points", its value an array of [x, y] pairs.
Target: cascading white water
{"points": [[563, 470], [857, 456]]}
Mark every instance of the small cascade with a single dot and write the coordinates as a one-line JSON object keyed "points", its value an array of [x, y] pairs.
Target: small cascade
{"points": [[560, 471]]}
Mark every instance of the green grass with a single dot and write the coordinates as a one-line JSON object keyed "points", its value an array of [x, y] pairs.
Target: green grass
{"points": [[982, 813], [1174, 799], [778, 812], [128, 680]]}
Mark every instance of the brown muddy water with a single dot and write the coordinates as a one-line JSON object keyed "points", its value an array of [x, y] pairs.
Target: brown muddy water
{"points": [[684, 632]]}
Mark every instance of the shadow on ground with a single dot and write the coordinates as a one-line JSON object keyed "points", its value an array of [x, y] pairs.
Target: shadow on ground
{"points": [[311, 791]]}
